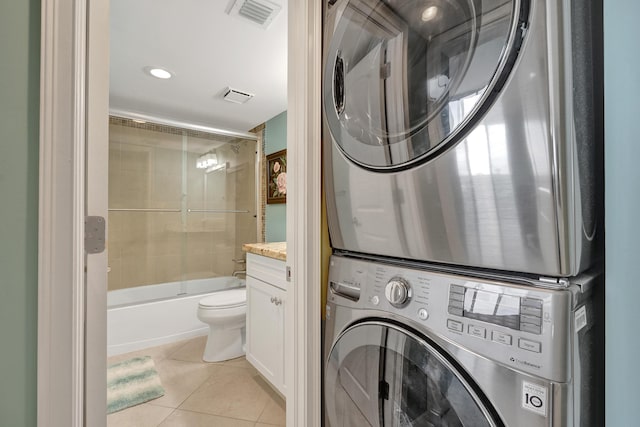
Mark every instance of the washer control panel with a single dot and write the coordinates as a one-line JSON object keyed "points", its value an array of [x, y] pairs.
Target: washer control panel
{"points": [[498, 308], [522, 326]]}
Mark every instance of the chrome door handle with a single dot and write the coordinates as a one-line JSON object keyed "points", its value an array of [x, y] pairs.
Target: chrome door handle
{"points": [[339, 85]]}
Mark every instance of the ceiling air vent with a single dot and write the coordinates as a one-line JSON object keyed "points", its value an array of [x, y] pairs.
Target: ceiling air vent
{"points": [[237, 96], [260, 12]]}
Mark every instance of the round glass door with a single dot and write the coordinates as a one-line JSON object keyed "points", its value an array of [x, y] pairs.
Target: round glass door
{"points": [[403, 78], [379, 375]]}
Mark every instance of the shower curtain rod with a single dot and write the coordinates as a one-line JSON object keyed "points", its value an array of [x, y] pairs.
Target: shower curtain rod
{"points": [[177, 210], [184, 125]]}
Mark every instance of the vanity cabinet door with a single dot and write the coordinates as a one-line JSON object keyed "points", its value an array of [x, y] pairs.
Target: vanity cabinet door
{"points": [[265, 330]]}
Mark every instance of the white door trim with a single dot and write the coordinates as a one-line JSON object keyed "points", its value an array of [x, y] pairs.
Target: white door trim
{"points": [[61, 295], [96, 204], [302, 332], [61, 215]]}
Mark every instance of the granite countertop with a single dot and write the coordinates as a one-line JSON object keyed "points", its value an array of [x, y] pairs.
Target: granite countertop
{"points": [[276, 250]]}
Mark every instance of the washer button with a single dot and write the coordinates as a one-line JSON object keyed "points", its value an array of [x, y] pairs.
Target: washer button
{"points": [[534, 329], [530, 319], [457, 289], [533, 346], [423, 314], [456, 311], [375, 300], [501, 337], [531, 311], [455, 297], [531, 302], [456, 304], [454, 325], [477, 331]]}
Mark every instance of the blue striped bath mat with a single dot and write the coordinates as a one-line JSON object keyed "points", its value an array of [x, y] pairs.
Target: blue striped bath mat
{"points": [[132, 382]]}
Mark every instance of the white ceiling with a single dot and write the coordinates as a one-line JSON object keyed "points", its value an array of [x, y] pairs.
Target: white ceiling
{"points": [[207, 50]]}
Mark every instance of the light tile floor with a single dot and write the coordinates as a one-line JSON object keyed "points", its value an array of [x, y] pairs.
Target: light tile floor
{"points": [[199, 394]]}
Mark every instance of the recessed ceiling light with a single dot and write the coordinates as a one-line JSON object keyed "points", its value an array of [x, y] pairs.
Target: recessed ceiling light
{"points": [[159, 73], [429, 13]]}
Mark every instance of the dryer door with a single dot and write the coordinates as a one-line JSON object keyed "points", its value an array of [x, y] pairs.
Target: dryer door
{"points": [[403, 78], [381, 375]]}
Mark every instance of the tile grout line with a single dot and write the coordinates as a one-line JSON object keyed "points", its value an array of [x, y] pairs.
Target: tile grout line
{"points": [[218, 368], [165, 418]]}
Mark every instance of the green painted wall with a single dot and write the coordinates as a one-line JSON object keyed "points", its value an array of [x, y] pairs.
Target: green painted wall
{"points": [[622, 204], [275, 139], [19, 122]]}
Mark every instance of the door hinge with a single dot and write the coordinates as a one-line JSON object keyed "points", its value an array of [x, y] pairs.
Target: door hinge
{"points": [[288, 273], [94, 234]]}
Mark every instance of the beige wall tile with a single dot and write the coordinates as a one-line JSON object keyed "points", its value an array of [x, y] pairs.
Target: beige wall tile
{"points": [[137, 271], [166, 191], [135, 158], [199, 266], [167, 268]]}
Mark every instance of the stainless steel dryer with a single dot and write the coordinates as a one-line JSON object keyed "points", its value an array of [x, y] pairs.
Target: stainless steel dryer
{"points": [[410, 347], [464, 132]]}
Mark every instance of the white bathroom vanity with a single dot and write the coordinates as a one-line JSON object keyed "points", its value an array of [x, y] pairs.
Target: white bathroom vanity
{"points": [[266, 301]]}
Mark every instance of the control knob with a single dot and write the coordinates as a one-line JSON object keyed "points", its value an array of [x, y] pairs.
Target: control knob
{"points": [[398, 292]]}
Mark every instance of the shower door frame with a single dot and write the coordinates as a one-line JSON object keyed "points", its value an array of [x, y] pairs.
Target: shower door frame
{"points": [[71, 313]]}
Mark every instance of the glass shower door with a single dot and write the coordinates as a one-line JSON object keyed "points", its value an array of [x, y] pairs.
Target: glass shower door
{"points": [[181, 204], [221, 206]]}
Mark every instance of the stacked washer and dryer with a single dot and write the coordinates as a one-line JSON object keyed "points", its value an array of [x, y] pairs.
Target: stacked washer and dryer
{"points": [[462, 146]]}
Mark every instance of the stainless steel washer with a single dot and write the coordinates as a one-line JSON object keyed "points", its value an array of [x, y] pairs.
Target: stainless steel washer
{"points": [[413, 347]]}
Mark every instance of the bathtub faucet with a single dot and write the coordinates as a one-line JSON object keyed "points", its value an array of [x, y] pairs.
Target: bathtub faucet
{"points": [[237, 272]]}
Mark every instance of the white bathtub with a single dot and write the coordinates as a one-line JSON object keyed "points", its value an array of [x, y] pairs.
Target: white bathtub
{"points": [[152, 315]]}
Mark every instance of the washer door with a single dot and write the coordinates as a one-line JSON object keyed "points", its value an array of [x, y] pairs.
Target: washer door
{"points": [[381, 375], [403, 78]]}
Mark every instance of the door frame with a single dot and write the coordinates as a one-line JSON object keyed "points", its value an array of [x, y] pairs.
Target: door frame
{"points": [[73, 102]]}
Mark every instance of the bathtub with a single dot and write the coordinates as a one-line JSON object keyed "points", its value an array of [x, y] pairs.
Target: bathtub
{"points": [[152, 315]]}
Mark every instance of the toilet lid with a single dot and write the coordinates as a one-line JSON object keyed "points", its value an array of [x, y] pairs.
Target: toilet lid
{"points": [[227, 299]]}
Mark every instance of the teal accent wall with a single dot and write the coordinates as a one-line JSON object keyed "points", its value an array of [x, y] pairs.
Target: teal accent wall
{"points": [[19, 123], [275, 139], [622, 216]]}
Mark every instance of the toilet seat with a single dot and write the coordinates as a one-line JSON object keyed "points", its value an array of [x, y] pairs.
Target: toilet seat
{"points": [[225, 299]]}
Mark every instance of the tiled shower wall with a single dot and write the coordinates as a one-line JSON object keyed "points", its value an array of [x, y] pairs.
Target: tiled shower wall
{"points": [[154, 167]]}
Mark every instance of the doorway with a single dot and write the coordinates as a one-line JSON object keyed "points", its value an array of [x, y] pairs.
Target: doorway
{"points": [[74, 107]]}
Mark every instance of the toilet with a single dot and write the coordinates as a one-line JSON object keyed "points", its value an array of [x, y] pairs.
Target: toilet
{"points": [[225, 312]]}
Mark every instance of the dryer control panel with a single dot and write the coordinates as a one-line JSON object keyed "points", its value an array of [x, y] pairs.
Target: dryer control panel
{"points": [[524, 327]]}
